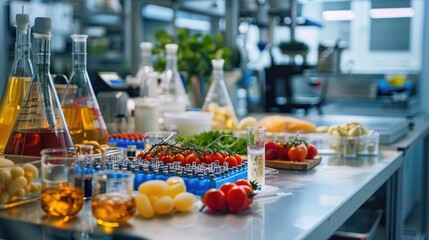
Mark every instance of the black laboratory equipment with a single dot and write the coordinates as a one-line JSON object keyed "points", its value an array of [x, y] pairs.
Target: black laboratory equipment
{"points": [[111, 81]]}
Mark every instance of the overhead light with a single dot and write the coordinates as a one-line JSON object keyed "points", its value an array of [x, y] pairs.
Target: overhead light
{"points": [[391, 12], [193, 24], [338, 15]]}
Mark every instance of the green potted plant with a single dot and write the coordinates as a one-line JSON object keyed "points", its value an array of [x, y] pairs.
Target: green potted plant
{"points": [[293, 48], [194, 57]]}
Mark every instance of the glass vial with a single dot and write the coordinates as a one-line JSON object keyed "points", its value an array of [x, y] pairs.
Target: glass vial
{"points": [[40, 123], [80, 106], [171, 81], [145, 68], [218, 101], [19, 79]]}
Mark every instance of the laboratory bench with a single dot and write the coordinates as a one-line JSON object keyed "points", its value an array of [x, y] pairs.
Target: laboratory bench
{"points": [[310, 204]]}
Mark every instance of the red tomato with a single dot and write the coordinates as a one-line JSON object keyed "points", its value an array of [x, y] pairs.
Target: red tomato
{"points": [[180, 158], [282, 151], [249, 191], [226, 187], [167, 159], [215, 200], [140, 155], [239, 159], [232, 162], [215, 156], [312, 151], [243, 182], [270, 151], [236, 199], [297, 153], [192, 158]]}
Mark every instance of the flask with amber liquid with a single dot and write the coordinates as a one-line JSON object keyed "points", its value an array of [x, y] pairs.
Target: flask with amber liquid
{"points": [[19, 79], [80, 106], [40, 123]]}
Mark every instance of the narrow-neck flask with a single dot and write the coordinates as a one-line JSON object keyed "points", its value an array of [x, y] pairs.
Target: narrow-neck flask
{"points": [[80, 106], [218, 101], [40, 123], [171, 81], [145, 68], [19, 79]]}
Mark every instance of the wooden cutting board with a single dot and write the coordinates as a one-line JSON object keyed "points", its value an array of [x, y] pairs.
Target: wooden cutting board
{"points": [[306, 164]]}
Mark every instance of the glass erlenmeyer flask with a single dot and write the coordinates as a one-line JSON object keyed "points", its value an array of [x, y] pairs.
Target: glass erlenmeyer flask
{"points": [[171, 82], [218, 101], [40, 123], [19, 79], [80, 106], [145, 68]]}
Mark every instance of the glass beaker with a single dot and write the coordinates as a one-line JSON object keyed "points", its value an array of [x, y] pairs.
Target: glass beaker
{"points": [[256, 155], [60, 196], [145, 68], [40, 123], [171, 82], [218, 101], [19, 79], [80, 106], [113, 202]]}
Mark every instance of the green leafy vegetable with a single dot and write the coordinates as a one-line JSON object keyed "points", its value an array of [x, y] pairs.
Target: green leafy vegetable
{"points": [[222, 140]]}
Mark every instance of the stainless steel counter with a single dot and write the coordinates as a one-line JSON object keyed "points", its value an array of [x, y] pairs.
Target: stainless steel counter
{"points": [[309, 205]]}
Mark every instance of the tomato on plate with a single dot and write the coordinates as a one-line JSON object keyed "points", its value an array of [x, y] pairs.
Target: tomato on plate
{"points": [[283, 150], [270, 151], [215, 200], [312, 151], [297, 153]]}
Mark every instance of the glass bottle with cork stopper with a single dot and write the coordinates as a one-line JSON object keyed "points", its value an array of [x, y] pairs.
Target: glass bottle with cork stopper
{"points": [[79, 104], [40, 123], [218, 101], [19, 79]]}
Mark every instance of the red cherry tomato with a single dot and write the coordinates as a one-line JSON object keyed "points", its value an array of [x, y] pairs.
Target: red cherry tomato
{"points": [[215, 156], [282, 150], [312, 151], [297, 153], [249, 191], [180, 158], [215, 200], [167, 159], [243, 182], [232, 162], [237, 199], [270, 151], [192, 158], [226, 187], [239, 159]]}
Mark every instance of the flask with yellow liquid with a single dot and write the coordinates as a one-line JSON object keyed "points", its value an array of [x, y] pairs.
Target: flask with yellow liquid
{"points": [[79, 104], [19, 79]]}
